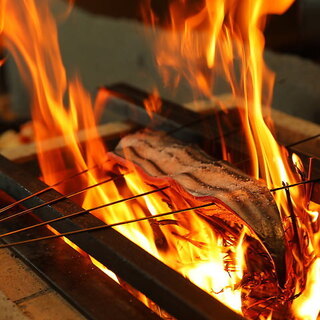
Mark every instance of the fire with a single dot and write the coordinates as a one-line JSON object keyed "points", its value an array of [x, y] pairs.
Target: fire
{"points": [[188, 245], [225, 39], [2, 61], [153, 103], [222, 38]]}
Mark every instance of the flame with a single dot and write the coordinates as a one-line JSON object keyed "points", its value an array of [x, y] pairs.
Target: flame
{"points": [[222, 38], [153, 103], [61, 107], [306, 306], [2, 61], [225, 39]]}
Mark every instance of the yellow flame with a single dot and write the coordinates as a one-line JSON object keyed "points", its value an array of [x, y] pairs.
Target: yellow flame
{"points": [[220, 38], [307, 307], [153, 103], [186, 243]]}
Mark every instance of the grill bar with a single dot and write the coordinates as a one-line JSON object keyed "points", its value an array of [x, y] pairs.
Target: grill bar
{"points": [[302, 141], [75, 278], [167, 288]]}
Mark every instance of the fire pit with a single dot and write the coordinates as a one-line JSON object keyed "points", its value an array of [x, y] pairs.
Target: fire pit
{"points": [[189, 235], [14, 176]]}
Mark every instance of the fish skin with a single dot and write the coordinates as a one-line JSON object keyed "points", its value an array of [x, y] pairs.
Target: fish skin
{"points": [[251, 202]]}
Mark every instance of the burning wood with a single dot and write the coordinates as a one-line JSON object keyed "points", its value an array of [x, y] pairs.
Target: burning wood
{"points": [[246, 200]]}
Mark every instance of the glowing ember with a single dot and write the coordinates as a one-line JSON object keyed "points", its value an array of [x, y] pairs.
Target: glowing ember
{"points": [[218, 39]]}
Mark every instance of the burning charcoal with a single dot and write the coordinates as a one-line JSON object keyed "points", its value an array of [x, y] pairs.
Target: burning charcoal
{"points": [[250, 201]]}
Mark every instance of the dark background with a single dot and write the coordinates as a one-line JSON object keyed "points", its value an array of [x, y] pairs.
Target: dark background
{"points": [[297, 31], [115, 53]]}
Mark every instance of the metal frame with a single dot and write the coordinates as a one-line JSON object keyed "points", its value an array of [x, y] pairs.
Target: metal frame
{"points": [[73, 276], [170, 290]]}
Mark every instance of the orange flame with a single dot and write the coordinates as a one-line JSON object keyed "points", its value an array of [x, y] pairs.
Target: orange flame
{"points": [[2, 61], [153, 103], [200, 256], [220, 39]]}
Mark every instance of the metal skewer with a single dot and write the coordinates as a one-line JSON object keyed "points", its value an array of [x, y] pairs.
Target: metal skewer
{"points": [[84, 211], [286, 146], [104, 205], [4, 209], [106, 226], [67, 196], [293, 185], [191, 123], [199, 120], [11, 205], [186, 125], [302, 141]]}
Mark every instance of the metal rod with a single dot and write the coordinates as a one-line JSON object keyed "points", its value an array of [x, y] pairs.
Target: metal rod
{"points": [[302, 141], [83, 211], [186, 125], [293, 220], [295, 184], [11, 205], [199, 120], [286, 146], [67, 196], [170, 290], [309, 188], [106, 226]]}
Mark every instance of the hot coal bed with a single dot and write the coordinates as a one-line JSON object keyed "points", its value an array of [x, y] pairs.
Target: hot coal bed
{"points": [[86, 287]]}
